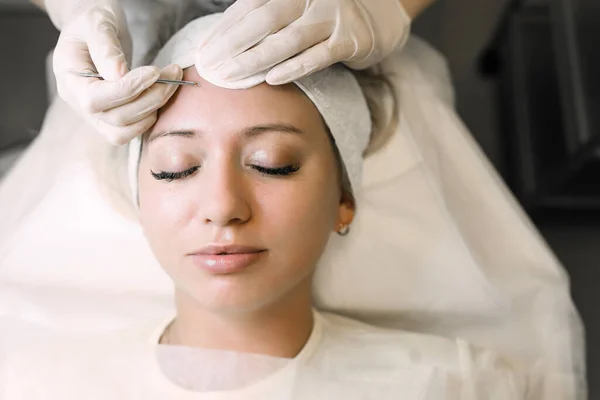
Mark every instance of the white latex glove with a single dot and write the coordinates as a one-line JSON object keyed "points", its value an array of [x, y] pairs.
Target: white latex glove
{"points": [[95, 37], [294, 38]]}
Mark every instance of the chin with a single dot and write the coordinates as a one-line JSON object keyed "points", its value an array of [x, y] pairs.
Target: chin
{"points": [[231, 296]]}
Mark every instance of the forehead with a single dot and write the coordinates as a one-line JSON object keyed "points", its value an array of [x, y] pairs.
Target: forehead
{"points": [[210, 107]]}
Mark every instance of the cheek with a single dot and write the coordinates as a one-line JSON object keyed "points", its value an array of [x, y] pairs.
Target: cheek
{"points": [[164, 213], [300, 217]]}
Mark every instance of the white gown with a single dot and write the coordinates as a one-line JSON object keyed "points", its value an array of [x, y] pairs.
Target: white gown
{"points": [[343, 359]]}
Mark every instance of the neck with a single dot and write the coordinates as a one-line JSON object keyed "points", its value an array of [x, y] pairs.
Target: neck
{"points": [[278, 330]]}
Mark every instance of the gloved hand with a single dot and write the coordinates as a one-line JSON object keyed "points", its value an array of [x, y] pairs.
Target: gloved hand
{"points": [[95, 37], [294, 38]]}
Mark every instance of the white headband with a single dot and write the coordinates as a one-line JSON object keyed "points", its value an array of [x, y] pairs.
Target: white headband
{"points": [[334, 91]]}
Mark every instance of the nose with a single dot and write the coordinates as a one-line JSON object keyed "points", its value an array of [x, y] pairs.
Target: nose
{"points": [[225, 198]]}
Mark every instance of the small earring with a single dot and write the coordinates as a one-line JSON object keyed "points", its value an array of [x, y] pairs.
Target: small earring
{"points": [[343, 230]]}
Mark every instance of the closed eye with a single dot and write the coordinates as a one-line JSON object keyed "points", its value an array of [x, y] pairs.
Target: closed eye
{"points": [[280, 171], [171, 176]]}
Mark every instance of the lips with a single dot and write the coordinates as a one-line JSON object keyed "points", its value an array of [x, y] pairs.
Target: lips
{"points": [[227, 249], [226, 259]]}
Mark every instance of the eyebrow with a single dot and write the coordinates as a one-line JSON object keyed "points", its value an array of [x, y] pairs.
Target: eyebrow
{"points": [[251, 131]]}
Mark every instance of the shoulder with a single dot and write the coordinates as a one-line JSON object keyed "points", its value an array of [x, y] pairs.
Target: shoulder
{"points": [[69, 364], [363, 355], [391, 348], [91, 346]]}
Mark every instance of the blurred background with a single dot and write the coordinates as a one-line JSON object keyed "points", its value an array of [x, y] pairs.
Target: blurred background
{"points": [[527, 86]]}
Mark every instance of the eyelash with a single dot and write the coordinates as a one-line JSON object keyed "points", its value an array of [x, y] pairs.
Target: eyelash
{"points": [[171, 176], [281, 171]]}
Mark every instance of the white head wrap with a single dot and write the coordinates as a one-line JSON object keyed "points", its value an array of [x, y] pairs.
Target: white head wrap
{"points": [[334, 91]]}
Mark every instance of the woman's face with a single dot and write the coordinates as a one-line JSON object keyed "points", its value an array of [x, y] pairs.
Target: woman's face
{"points": [[239, 191]]}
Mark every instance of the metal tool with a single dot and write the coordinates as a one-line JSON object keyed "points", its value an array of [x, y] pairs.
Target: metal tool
{"points": [[167, 81]]}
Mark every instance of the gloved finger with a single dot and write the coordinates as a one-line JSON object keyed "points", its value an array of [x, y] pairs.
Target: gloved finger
{"points": [[119, 135], [69, 51], [257, 25], [106, 51], [274, 49], [70, 56], [145, 104], [312, 60], [233, 15], [95, 95]]}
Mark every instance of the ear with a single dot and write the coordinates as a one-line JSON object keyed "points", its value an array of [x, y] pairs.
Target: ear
{"points": [[346, 211]]}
